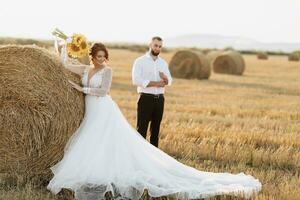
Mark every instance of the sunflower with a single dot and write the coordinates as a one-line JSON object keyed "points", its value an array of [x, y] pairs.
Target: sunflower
{"points": [[79, 46]]}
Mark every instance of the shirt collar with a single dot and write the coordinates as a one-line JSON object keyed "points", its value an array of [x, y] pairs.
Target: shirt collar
{"points": [[148, 55]]}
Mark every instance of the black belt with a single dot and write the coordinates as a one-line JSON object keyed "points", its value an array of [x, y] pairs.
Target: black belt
{"points": [[152, 95]]}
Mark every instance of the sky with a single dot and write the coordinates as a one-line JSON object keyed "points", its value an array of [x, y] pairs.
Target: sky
{"points": [[138, 20]]}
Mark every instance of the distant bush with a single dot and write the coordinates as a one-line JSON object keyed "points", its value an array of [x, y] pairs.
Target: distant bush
{"points": [[132, 47], [21, 41], [229, 49], [255, 52]]}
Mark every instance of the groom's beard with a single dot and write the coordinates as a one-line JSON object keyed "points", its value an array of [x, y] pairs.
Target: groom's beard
{"points": [[154, 54]]}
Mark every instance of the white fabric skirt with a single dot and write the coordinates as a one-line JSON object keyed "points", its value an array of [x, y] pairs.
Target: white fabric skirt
{"points": [[107, 154]]}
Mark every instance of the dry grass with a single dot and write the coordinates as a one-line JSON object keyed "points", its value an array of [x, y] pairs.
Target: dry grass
{"points": [[248, 123]]}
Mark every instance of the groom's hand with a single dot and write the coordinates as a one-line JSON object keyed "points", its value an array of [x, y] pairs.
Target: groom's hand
{"points": [[164, 77], [161, 83]]}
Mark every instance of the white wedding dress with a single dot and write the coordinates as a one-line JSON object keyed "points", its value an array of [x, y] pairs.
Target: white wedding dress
{"points": [[107, 154]]}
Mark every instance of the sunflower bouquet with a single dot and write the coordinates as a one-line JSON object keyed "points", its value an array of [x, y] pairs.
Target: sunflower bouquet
{"points": [[77, 44]]}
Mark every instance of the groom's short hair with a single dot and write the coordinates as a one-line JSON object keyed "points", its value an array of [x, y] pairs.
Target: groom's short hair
{"points": [[156, 38]]}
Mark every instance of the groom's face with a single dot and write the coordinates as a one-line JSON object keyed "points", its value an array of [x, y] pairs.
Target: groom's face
{"points": [[156, 47]]}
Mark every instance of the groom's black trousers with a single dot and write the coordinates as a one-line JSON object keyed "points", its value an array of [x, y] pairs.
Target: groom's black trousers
{"points": [[150, 108]]}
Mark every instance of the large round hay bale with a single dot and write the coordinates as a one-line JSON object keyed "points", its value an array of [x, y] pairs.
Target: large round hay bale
{"points": [[294, 56], [262, 56], [39, 110], [229, 62], [189, 65]]}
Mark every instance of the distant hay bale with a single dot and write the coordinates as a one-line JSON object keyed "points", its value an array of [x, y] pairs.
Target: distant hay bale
{"points": [[39, 110], [212, 55], [262, 56], [229, 62], [295, 56], [189, 65]]}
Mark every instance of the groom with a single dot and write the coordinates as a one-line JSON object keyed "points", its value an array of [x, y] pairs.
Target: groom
{"points": [[150, 73]]}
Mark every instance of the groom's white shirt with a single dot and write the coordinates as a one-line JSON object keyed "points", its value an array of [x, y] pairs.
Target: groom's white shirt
{"points": [[145, 69]]}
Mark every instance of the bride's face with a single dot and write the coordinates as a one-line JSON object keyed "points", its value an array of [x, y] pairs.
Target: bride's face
{"points": [[99, 59]]}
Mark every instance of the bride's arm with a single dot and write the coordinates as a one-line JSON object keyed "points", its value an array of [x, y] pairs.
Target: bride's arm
{"points": [[78, 69], [105, 86]]}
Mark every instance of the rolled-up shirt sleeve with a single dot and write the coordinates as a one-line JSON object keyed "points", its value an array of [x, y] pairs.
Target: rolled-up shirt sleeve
{"points": [[137, 78], [168, 74]]}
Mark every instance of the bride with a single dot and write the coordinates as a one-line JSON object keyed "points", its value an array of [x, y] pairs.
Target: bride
{"points": [[106, 154]]}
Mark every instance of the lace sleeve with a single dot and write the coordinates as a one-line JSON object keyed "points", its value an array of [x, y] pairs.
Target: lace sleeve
{"points": [[76, 68], [105, 86]]}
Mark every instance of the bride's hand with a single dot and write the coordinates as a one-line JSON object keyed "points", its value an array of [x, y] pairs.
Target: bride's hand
{"points": [[76, 86]]}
